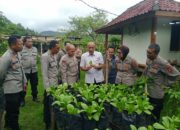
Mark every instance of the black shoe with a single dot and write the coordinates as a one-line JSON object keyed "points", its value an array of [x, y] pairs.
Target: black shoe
{"points": [[36, 100], [22, 104]]}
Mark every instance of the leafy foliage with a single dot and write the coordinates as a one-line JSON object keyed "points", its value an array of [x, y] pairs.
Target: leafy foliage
{"points": [[81, 98], [85, 27], [7, 27]]}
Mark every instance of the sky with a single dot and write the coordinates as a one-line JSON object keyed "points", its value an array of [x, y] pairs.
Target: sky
{"points": [[43, 15]]}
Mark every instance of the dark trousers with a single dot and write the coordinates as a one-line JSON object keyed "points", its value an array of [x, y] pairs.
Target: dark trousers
{"points": [[96, 83], [158, 106], [12, 110], [47, 113], [33, 78]]}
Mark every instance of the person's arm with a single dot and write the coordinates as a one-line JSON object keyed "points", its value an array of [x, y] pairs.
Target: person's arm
{"points": [[83, 64], [63, 70], [4, 65], [134, 64], [44, 63], [168, 69], [142, 66]]}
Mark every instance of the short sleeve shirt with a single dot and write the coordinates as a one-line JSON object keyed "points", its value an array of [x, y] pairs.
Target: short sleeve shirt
{"points": [[93, 74]]}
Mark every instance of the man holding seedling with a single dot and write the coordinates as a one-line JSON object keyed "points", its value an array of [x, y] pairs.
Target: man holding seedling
{"points": [[50, 76], [92, 63], [160, 74]]}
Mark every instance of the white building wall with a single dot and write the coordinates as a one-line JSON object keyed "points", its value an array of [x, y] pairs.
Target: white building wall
{"points": [[138, 41], [163, 39]]}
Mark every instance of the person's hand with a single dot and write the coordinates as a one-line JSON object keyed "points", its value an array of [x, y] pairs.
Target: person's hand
{"points": [[169, 68], [95, 66], [25, 88], [88, 67]]}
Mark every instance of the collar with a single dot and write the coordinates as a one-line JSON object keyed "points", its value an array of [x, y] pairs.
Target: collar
{"points": [[12, 52], [91, 55]]}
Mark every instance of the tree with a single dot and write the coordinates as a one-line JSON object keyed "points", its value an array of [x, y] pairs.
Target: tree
{"points": [[85, 27], [7, 27]]}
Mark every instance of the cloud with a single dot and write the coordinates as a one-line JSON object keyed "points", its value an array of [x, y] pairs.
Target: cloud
{"points": [[43, 15]]}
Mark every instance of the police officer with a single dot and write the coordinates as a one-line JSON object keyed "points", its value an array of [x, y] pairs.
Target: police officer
{"points": [[69, 66], [59, 55], [50, 76], [159, 71], [29, 60], [14, 80], [126, 67]]}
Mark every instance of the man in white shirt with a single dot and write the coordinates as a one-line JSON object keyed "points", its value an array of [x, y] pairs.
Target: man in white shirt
{"points": [[92, 63]]}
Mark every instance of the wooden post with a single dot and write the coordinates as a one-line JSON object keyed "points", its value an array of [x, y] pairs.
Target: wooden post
{"points": [[154, 30], [122, 36], [106, 60], [41, 49]]}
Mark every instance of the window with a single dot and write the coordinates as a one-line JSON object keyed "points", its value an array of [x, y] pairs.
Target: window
{"points": [[175, 36]]}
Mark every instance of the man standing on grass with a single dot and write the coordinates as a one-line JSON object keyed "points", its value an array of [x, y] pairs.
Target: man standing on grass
{"points": [[161, 74], [13, 80], [69, 66], [92, 63], [50, 76], [29, 61]]}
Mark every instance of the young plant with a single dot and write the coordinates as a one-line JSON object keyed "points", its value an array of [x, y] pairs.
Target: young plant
{"points": [[92, 111], [168, 123], [72, 110], [143, 105], [63, 100], [141, 128]]}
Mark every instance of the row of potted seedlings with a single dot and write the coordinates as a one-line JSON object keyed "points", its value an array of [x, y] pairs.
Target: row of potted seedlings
{"points": [[89, 107]]}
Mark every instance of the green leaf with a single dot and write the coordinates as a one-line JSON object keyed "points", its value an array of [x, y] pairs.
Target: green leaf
{"points": [[142, 128], [147, 112], [84, 106], [158, 126], [96, 116], [165, 122], [150, 127], [133, 127]]}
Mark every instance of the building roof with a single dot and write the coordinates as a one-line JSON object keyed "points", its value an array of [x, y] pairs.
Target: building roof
{"points": [[144, 7]]}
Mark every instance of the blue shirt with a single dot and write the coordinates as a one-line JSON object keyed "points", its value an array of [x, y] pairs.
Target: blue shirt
{"points": [[112, 71]]}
